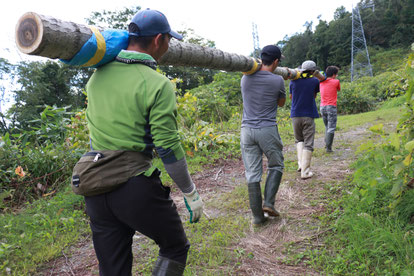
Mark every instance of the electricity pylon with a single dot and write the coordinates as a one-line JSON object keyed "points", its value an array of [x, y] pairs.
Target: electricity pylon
{"points": [[360, 62], [256, 46]]}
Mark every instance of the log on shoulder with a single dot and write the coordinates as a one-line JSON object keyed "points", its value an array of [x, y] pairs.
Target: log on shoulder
{"points": [[49, 37], [46, 36]]}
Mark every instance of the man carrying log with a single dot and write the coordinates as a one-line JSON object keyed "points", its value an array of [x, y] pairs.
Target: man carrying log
{"points": [[132, 107], [329, 95], [262, 93], [303, 92]]}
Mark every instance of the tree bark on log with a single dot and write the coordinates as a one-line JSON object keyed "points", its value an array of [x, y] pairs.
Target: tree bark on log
{"points": [[49, 37], [186, 54]]}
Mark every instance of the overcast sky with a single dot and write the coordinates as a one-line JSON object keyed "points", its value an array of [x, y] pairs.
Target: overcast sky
{"points": [[228, 23]]}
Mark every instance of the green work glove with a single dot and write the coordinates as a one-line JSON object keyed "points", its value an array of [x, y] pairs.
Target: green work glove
{"points": [[194, 204]]}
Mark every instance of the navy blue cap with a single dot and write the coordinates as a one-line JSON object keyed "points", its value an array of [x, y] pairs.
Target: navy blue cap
{"points": [[271, 53], [152, 22]]}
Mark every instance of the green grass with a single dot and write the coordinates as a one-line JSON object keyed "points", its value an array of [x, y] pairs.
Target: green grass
{"points": [[347, 122], [212, 240], [39, 232], [394, 102]]}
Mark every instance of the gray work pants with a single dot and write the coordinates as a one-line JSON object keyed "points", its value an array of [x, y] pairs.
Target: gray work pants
{"points": [[256, 141]]}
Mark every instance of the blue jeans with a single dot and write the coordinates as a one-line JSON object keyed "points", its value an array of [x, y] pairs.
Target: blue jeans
{"points": [[256, 141]]}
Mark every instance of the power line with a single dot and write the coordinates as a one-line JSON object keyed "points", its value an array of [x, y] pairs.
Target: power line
{"points": [[256, 46], [360, 62]]}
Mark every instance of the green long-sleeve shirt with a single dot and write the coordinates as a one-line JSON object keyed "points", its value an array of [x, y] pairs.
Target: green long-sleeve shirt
{"points": [[133, 107]]}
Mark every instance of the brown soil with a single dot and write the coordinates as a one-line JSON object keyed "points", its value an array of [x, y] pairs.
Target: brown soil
{"points": [[299, 202]]}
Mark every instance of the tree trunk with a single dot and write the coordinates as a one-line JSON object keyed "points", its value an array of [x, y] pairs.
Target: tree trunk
{"points": [[53, 38], [186, 54], [46, 36]]}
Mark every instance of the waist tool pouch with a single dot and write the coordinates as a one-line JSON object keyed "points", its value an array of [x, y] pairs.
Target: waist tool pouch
{"points": [[98, 172]]}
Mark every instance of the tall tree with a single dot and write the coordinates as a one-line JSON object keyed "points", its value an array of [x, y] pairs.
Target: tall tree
{"points": [[46, 83], [296, 47], [5, 69], [339, 35], [113, 19], [390, 24], [319, 47]]}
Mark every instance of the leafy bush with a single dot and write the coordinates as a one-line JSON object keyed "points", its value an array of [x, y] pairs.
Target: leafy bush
{"points": [[201, 136], [387, 60], [375, 229], [353, 98], [393, 102], [209, 117], [366, 93], [38, 161], [208, 138], [217, 101], [78, 137]]}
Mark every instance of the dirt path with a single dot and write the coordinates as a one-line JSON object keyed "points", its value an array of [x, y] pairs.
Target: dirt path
{"points": [[299, 201]]}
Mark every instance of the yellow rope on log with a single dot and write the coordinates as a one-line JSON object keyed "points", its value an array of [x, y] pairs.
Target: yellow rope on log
{"points": [[254, 68], [100, 49]]}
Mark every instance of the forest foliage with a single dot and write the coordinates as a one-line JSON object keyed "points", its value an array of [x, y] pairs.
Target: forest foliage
{"points": [[386, 26]]}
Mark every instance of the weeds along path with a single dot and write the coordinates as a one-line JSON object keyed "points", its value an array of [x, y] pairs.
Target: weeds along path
{"points": [[278, 248], [274, 249]]}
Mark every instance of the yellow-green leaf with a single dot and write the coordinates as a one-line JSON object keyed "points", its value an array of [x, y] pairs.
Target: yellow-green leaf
{"points": [[398, 169], [365, 146], [363, 192], [410, 146], [408, 159], [377, 128], [395, 140], [397, 188]]}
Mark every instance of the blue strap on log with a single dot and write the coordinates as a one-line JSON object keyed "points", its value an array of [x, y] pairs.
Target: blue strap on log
{"points": [[101, 48]]}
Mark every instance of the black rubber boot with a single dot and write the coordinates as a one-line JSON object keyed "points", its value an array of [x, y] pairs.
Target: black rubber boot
{"points": [[329, 140], [255, 200], [167, 267], [272, 186]]}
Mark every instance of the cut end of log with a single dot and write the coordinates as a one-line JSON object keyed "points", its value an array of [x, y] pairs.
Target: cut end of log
{"points": [[29, 33], [319, 76]]}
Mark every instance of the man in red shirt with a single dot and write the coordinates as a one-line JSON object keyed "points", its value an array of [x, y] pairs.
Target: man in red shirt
{"points": [[329, 93]]}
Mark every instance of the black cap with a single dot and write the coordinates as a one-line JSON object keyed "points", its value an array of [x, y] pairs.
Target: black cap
{"points": [[271, 53]]}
